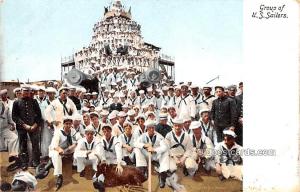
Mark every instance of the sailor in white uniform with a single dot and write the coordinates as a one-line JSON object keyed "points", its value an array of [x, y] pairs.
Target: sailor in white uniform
{"points": [[180, 146], [62, 144], [228, 157], [154, 143], [186, 103], [61, 107], [118, 128], [142, 99], [88, 152], [202, 148]]}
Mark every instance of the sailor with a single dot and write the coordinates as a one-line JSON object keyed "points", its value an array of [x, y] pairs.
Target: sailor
{"points": [[113, 154], [116, 105], [88, 151], [7, 127], [180, 146], [197, 97], [131, 81], [62, 145], [131, 117], [150, 97], [23, 181], [78, 127], [126, 141], [86, 121], [18, 93], [142, 100], [112, 118], [203, 148], [165, 97], [72, 95], [95, 101], [140, 128], [106, 100], [162, 127], [186, 124], [132, 100], [27, 115], [207, 126], [51, 92], [172, 115], [154, 143], [118, 129], [207, 99], [228, 157], [186, 103], [172, 100], [61, 107], [96, 125]]}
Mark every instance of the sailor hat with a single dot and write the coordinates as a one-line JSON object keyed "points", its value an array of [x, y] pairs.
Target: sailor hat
{"points": [[112, 91], [126, 123], [77, 117], [41, 88], [178, 121], [131, 112], [89, 128], [112, 115], [106, 126], [195, 125], [203, 110], [104, 113], [149, 113], [3, 91], [150, 123], [165, 88], [25, 87], [17, 89], [140, 116], [194, 87], [94, 114], [186, 118], [63, 88], [141, 92], [113, 84], [229, 132], [67, 118], [163, 116], [94, 93], [149, 89], [51, 90], [122, 114]]}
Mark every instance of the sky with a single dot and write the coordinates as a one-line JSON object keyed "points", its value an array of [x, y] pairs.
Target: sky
{"points": [[204, 36]]}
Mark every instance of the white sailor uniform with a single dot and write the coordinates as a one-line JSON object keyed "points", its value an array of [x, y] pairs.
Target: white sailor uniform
{"points": [[209, 132], [161, 151], [96, 155], [186, 105], [112, 150]]}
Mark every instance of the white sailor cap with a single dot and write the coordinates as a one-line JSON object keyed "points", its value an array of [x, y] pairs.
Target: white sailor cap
{"points": [[106, 91], [136, 107], [34, 87], [184, 85], [126, 123], [115, 95], [177, 87], [125, 105], [195, 125], [17, 89], [194, 87], [88, 94], [121, 94], [163, 116], [112, 115], [89, 128], [141, 92], [94, 114], [186, 118], [77, 117], [144, 106], [98, 109], [103, 85], [178, 121], [72, 88], [51, 90], [104, 113], [164, 107], [203, 110], [207, 86], [41, 88], [122, 114], [149, 113], [106, 126], [140, 116], [119, 80], [113, 84], [63, 88], [25, 87], [67, 118], [3, 91], [149, 89], [112, 91], [150, 123], [94, 93], [229, 132], [85, 109], [131, 112], [165, 88]]}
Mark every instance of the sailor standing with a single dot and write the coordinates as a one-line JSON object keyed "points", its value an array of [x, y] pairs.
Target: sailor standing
{"points": [[186, 104]]}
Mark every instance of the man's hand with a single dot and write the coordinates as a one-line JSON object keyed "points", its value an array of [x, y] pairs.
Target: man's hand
{"points": [[151, 149], [218, 169], [56, 123], [60, 151], [11, 127], [26, 127], [232, 128], [119, 169], [147, 145], [129, 149], [33, 127], [182, 160]]}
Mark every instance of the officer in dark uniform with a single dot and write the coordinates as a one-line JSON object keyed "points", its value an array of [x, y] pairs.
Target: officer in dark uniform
{"points": [[26, 114], [163, 128], [223, 112]]}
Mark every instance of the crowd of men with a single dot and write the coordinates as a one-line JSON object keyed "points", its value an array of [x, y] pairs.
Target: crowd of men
{"points": [[182, 126]]}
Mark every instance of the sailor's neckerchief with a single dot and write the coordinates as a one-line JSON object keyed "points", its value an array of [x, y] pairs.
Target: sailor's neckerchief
{"points": [[178, 143]]}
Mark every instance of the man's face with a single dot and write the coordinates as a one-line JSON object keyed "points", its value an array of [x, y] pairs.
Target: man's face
{"points": [[63, 94], [104, 118], [4, 97], [132, 95], [131, 117], [205, 116], [197, 132], [150, 130], [51, 95], [151, 116], [128, 130], [107, 132], [86, 120], [141, 122], [113, 120], [172, 112], [229, 141], [72, 92], [151, 108], [121, 119], [26, 93], [206, 91], [195, 91], [187, 124], [89, 136], [163, 121], [18, 94], [67, 125], [231, 92], [95, 120], [184, 90], [171, 92], [177, 127], [41, 94], [177, 92], [219, 92], [76, 123], [95, 97]]}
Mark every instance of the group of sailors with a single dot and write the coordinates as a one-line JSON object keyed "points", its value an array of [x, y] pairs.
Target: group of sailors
{"points": [[180, 125]]}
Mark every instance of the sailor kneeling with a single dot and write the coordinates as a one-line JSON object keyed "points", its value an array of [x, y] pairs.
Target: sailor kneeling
{"points": [[88, 151]]}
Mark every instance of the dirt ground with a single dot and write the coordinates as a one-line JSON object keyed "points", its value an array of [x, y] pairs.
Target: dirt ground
{"points": [[72, 181]]}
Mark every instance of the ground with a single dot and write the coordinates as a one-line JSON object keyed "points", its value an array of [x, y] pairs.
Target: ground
{"points": [[72, 181]]}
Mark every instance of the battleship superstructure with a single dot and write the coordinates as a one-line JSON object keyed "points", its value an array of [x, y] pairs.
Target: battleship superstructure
{"points": [[117, 41]]}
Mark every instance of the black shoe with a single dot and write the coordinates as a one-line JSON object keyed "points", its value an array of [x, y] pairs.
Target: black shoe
{"points": [[35, 164], [59, 182], [162, 179], [12, 158], [99, 185], [82, 173], [221, 177], [185, 171], [74, 167], [12, 167]]}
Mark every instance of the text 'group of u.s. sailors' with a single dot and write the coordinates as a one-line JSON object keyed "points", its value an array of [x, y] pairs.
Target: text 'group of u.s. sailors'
{"points": [[180, 127]]}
